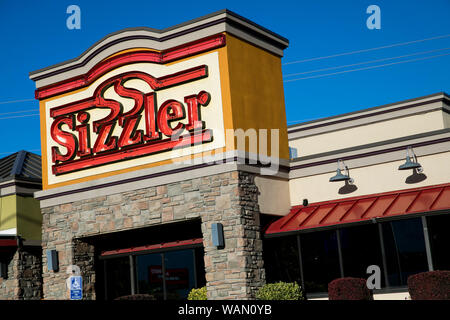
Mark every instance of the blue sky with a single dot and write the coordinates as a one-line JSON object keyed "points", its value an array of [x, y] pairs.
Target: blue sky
{"points": [[34, 35]]}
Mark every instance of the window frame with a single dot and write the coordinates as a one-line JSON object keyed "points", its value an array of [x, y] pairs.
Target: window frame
{"points": [[378, 221]]}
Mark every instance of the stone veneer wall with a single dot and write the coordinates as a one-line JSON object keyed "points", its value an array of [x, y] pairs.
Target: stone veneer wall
{"points": [[234, 272], [24, 281], [9, 287]]}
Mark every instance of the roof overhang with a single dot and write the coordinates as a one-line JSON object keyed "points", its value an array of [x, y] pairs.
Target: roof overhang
{"points": [[363, 209], [143, 37], [19, 187]]}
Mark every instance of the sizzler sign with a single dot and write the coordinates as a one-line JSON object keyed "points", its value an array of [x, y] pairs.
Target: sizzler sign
{"points": [[148, 127]]}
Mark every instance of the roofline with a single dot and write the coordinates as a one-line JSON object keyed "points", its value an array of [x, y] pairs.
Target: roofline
{"points": [[291, 128], [17, 168], [20, 180], [161, 36]]}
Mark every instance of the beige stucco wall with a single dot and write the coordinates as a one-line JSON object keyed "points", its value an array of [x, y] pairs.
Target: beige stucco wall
{"points": [[378, 178], [273, 195], [375, 132], [446, 120]]}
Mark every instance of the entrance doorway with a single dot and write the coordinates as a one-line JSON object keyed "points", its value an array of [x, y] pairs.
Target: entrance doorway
{"points": [[166, 275], [165, 261]]}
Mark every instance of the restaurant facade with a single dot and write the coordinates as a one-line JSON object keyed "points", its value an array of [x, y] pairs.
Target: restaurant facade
{"points": [[167, 165]]}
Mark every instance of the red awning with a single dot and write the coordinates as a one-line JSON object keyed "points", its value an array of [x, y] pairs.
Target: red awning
{"points": [[356, 209], [8, 242], [165, 245]]}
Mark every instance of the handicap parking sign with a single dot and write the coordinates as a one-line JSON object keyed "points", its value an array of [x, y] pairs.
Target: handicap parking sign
{"points": [[76, 288]]}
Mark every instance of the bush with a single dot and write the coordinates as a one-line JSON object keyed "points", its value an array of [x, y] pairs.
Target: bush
{"points": [[280, 291], [197, 294], [136, 297], [349, 289], [432, 285]]}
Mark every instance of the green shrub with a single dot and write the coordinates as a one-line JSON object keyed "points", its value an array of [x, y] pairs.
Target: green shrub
{"points": [[197, 294], [280, 291]]}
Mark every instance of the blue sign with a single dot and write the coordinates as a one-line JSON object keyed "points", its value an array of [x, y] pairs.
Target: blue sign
{"points": [[76, 288]]}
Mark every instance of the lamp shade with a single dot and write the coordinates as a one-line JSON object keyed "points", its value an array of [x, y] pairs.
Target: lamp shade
{"points": [[409, 164], [339, 176]]}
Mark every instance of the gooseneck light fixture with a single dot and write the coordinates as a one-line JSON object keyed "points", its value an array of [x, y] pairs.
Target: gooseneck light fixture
{"points": [[411, 161], [339, 175]]}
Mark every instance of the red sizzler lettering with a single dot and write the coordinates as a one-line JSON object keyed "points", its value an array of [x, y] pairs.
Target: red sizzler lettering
{"points": [[71, 127]]}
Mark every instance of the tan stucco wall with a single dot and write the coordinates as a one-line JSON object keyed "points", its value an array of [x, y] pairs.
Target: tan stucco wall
{"points": [[8, 209], [22, 213], [371, 179], [273, 195], [29, 218], [257, 93], [370, 133]]}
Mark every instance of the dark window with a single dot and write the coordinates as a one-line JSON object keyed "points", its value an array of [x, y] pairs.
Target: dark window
{"points": [[405, 250], [360, 248], [281, 259], [180, 273], [438, 231], [165, 275], [118, 282], [3, 270], [200, 267], [320, 259], [149, 275]]}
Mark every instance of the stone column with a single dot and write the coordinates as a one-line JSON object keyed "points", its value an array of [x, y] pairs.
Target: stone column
{"points": [[24, 280], [84, 257], [9, 287], [30, 277], [235, 271]]}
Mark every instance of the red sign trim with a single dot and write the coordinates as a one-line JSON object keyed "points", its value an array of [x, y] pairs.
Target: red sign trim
{"points": [[107, 65], [140, 150], [155, 83]]}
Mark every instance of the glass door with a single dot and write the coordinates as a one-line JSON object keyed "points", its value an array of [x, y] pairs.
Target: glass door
{"points": [[168, 275], [149, 275], [117, 277], [180, 273]]}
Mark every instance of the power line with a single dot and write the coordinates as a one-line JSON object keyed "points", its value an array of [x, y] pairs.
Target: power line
{"points": [[367, 50], [365, 62], [27, 115], [21, 111], [366, 68], [16, 101]]}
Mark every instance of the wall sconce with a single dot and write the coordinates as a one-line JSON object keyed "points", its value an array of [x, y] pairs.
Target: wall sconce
{"points": [[52, 260], [411, 161], [339, 176], [217, 235]]}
